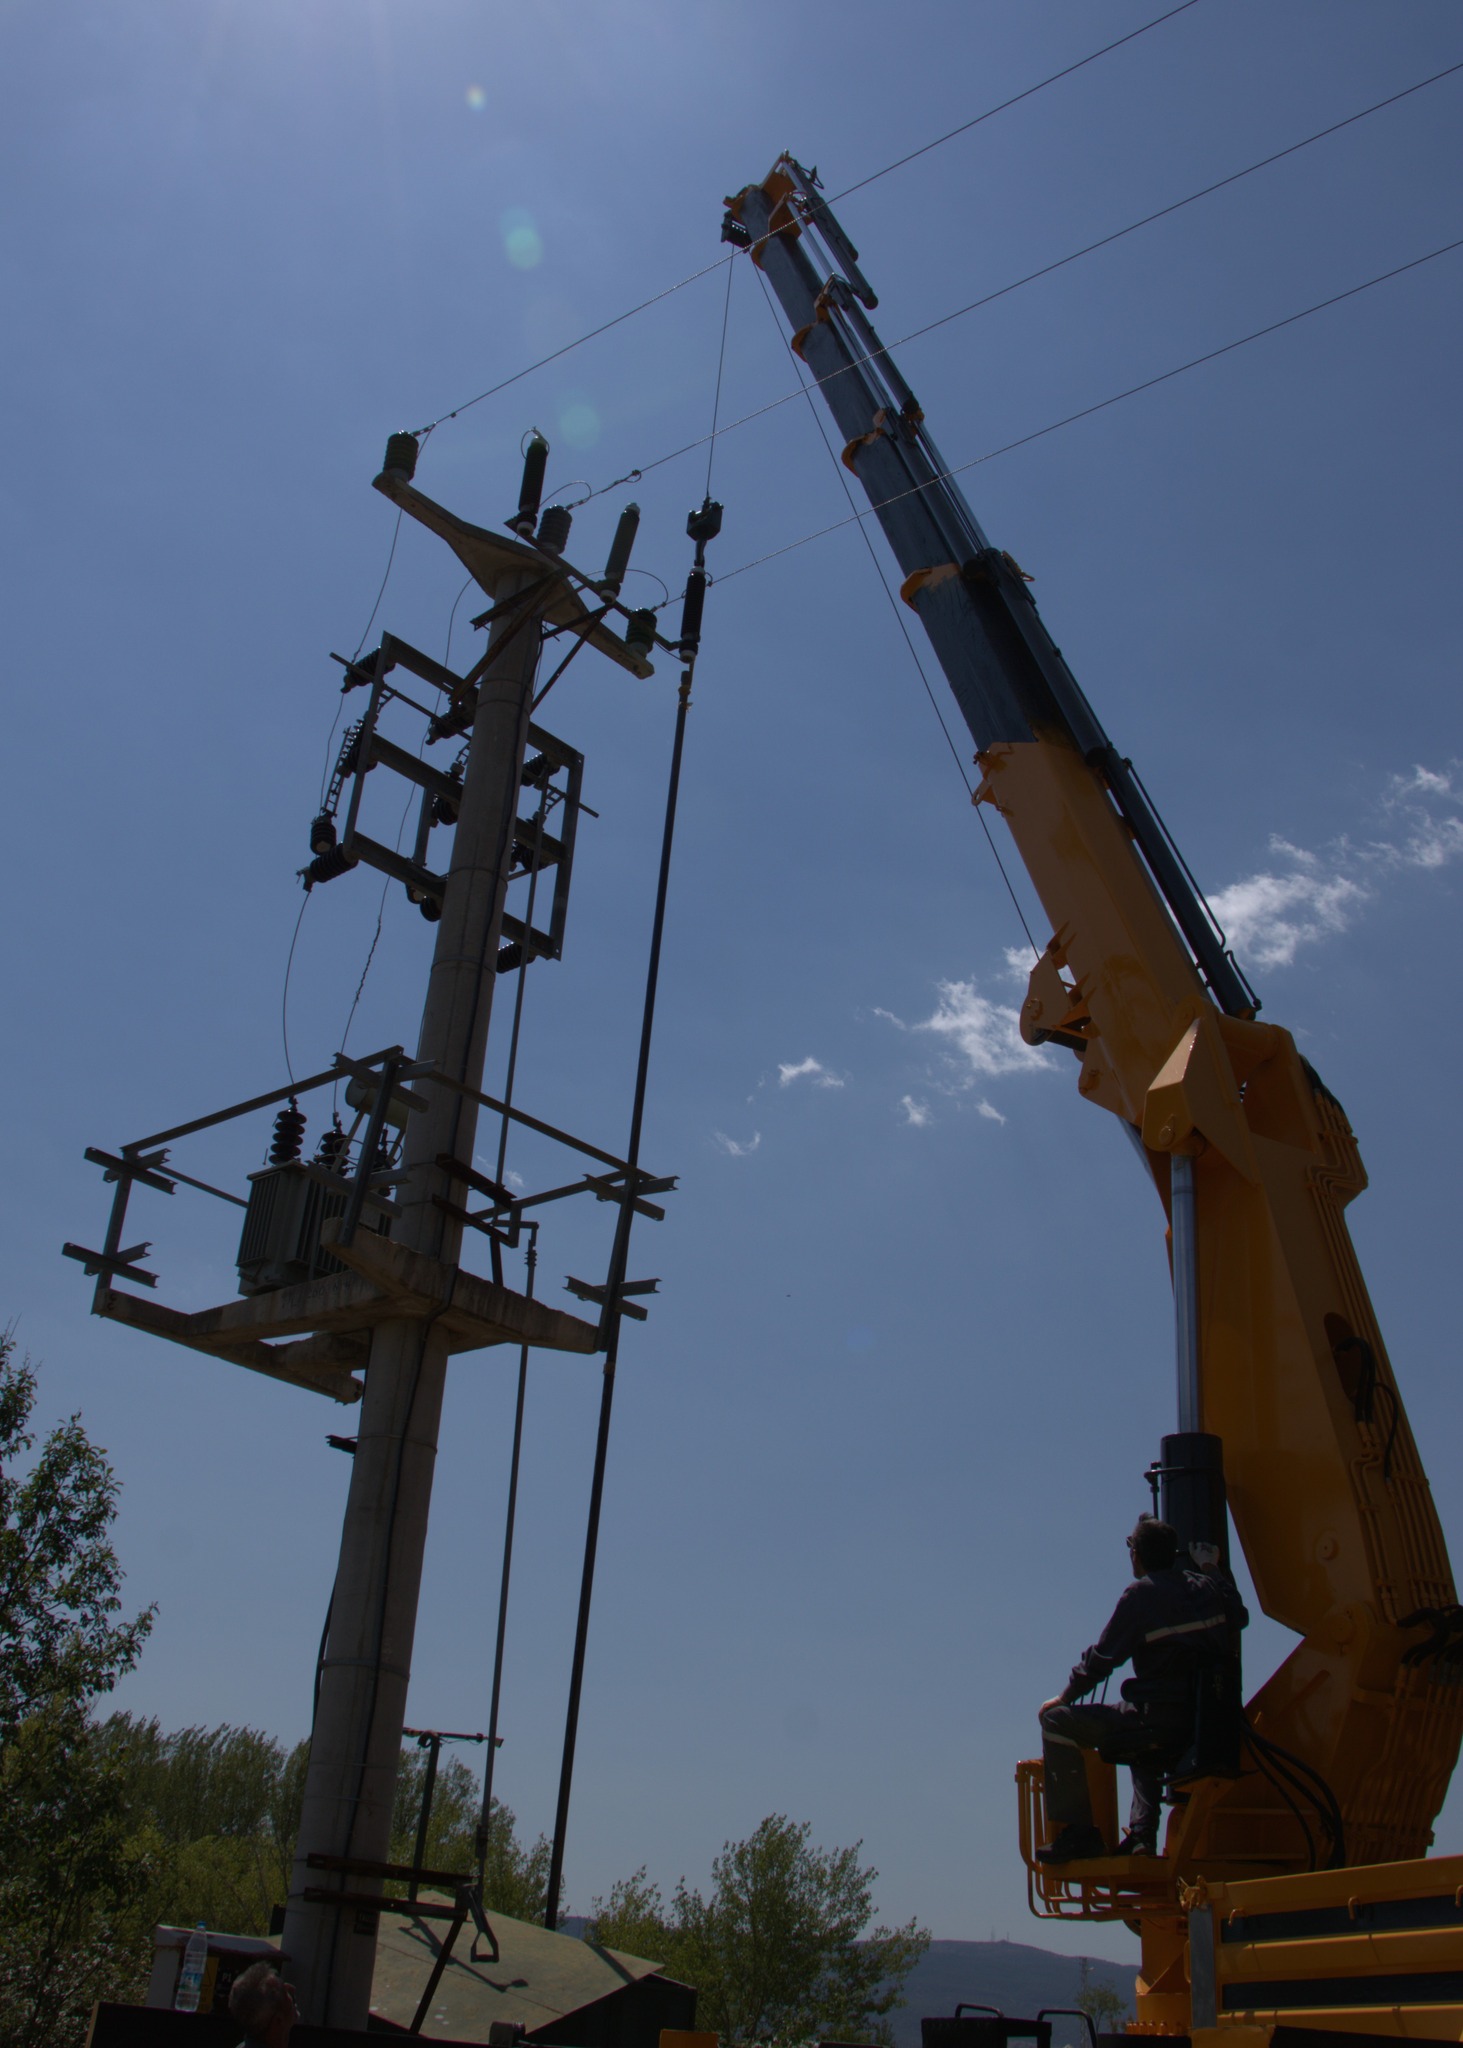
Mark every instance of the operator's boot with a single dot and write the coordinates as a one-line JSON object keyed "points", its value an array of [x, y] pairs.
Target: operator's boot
{"points": [[1073, 1842], [1137, 1842]]}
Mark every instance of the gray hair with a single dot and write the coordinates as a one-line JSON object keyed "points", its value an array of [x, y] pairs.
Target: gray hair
{"points": [[256, 1997]]}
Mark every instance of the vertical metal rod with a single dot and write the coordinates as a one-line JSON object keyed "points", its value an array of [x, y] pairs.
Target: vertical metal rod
{"points": [[485, 1822], [1185, 1290], [432, 1744], [618, 1262], [355, 1747]]}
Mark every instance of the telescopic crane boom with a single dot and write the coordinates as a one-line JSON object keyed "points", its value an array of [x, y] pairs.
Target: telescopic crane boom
{"points": [[1282, 1370]]}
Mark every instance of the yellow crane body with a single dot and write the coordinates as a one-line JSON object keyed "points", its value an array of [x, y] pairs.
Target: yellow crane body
{"points": [[1241, 1933]]}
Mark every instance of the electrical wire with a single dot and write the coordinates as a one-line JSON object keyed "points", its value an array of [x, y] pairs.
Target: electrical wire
{"points": [[452, 616], [1014, 101], [1043, 270], [1276, 1784], [1308, 1782], [1101, 405], [670, 290], [720, 366], [569, 346], [340, 700], [284, 1000], [904, 630]]}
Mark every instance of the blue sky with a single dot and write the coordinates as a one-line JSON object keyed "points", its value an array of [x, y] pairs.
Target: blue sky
{"points": [[876, 1449]]}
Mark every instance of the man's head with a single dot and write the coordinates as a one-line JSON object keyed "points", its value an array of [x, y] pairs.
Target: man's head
{"points": [[264, 2005], [1153, 1546]]}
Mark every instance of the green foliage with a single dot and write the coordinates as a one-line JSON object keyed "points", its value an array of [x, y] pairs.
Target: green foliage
{"points": [[73, 1872], [60, 1646], [633, 1919], [219, 1809], [1105, 2007], [515, 1879], [76, 1878], [778, 1952]]}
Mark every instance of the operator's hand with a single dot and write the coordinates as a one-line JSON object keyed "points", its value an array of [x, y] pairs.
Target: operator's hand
{"points": [[1057, 1702]]}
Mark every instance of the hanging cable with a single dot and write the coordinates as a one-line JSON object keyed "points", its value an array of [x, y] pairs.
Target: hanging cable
{"points": [[720, 366], [284, 1000], [903, 628], [485, 1822], [451, 618], [1276, 1784], [525, 955], [1102, 404], [619, 1256]]}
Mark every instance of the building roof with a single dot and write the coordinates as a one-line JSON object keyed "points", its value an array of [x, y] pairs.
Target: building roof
{"points": [[539, 1976]]}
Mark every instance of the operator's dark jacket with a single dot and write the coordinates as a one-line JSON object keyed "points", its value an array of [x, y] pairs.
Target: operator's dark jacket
{"points": [[1160, 1621]]}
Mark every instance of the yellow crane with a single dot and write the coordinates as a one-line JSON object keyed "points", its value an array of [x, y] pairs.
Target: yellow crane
{"points": [[1287, 1401]]}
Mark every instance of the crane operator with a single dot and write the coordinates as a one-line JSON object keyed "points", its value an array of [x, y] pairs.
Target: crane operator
{"points": [[1165, 1621]]}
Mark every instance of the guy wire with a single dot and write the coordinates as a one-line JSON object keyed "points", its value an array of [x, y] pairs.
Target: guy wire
{"points": [[904, 630]]}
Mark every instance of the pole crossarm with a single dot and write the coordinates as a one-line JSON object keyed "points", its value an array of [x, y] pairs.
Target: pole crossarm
{"points": [[489, 557]]}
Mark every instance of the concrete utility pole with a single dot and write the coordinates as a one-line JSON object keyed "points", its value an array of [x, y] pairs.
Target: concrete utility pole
{"points": [[356, 1740]]}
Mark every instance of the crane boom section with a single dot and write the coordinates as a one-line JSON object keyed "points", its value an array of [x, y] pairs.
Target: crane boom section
{"points": [[1327, 1492]]}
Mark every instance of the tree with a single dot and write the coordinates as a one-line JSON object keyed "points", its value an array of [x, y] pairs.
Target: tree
{"points": [[75, 1884], [60, 1646], [71, 1874], [778, 1952], [515, 1879], [1103, 2005], [218, 1810]]}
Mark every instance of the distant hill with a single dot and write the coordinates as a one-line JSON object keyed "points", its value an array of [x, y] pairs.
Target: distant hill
{"points": [[1021, 1980], [1009, 1974]]}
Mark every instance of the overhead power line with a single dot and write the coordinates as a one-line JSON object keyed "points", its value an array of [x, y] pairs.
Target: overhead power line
{"points": [[1045, 270], [1102, 404], [1014, 101], [670, 290], [578, 342]]}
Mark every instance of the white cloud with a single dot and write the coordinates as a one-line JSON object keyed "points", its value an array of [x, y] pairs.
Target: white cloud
{"points": [[1019, 962], [487, 1165], [988, 1109], [916, 1113], [1269, 916], [806, 1070], [985, 1035], [1304, 896], [732, 1148]]}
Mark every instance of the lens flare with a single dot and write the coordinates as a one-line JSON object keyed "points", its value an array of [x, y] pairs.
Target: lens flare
{"points": [[521, 239], [579, 424], [477, 99]]}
